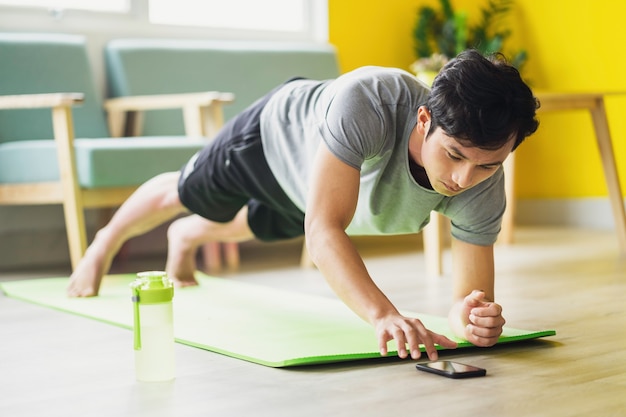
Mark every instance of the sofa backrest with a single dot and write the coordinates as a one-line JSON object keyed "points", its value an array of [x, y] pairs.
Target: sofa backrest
{"points": [[47, 63], [246, 68]]}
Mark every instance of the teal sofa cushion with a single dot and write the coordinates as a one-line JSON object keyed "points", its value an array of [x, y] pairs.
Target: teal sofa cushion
{"points": [[246, 68], [32, 63], [99, 162]]}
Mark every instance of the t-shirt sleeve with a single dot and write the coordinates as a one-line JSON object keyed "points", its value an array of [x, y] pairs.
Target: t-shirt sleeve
{"points": [[353, 125]]}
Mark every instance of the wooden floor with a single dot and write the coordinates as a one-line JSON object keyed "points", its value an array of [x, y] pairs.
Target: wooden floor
{"points": [[573, 281]]}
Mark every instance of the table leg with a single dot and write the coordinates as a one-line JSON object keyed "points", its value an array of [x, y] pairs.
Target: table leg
{"points": [[508, 219], [433, 244], [603, 137]]}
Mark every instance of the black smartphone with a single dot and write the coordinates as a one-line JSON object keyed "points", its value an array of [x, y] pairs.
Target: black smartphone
{"points": [[451, 369]]}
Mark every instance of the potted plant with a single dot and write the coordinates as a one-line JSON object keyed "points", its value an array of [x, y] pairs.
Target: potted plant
{"points": [[440, 34]]}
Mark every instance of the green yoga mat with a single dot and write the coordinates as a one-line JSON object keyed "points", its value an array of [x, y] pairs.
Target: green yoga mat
{"points": [[259, 324]]}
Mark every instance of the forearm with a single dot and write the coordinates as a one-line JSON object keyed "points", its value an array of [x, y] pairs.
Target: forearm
{"points": [[337, 258], [474, 314]]}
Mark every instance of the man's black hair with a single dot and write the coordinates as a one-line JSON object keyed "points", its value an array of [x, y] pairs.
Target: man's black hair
{"points": [[482, 101]]}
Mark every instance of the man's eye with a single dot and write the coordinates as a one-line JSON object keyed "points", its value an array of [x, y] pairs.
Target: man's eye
{"points": [[490, 167], [453, 157]]}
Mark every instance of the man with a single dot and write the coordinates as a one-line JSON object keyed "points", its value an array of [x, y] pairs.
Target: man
{"points": [[372, 152]]}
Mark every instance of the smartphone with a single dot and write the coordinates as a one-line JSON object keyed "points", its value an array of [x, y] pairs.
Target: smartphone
{"points": [[451, 369]]}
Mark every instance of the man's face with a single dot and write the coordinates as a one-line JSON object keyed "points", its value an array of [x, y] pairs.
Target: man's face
{"points": [[453, 168]]}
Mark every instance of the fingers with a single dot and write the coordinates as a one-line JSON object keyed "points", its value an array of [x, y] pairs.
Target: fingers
{"points": [[485, 325], [402, 340], [443, 341], [476, 299], [419, 334], [482, 336], [410, 337], [403, 335], [489, 315], [382, 346]]}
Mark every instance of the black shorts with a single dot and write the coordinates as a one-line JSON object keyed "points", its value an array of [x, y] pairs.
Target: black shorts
{"points": [[232, 172]]}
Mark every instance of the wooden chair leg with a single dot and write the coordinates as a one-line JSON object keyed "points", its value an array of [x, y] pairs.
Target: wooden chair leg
{"points": [[63, 128], [433, 244], [212, 256], [231, 254]]}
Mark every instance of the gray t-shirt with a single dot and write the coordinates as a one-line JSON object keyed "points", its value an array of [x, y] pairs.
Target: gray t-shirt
{"points": [[365, 118]]}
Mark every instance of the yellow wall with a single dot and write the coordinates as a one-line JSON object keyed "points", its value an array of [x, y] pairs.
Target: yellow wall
{"points": [[573, 45]]}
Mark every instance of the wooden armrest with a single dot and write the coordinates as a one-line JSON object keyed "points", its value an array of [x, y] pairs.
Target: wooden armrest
{"points": [[167, 101], [35, 101]]}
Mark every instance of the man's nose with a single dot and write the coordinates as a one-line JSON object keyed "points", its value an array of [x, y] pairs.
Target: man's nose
{"points": [[463, 176]]}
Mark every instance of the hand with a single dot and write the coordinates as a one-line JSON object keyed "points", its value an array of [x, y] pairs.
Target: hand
{"points": [[484, 319], [411, 331]]}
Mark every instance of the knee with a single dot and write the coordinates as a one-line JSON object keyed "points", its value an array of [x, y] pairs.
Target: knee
{"points": [[176, 229], [186, 230]]}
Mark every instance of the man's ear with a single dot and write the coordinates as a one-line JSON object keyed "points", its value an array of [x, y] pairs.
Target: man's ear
{"points": [[423, 120]]}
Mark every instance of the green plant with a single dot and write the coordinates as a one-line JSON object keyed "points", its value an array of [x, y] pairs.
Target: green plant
{"points": [[445, 31]]}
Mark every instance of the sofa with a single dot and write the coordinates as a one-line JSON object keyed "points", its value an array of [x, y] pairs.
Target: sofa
{"points": [[58, 145]]}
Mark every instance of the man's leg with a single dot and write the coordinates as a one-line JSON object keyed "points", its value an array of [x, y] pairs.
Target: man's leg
{"points": [[153, 203], [185, 235]]}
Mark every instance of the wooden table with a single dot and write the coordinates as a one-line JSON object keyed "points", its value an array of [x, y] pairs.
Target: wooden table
{"points": [[594, 103]]}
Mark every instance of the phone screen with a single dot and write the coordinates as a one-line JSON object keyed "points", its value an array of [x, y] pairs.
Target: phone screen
{"points": [[451, 369]]}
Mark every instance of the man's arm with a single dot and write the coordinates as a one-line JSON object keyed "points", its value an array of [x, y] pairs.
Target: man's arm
{"points": [[474, 316], [331, 203]]}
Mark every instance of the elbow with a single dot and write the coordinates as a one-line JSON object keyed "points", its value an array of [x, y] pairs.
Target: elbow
{"points": [[318, 237], [310, 239]]}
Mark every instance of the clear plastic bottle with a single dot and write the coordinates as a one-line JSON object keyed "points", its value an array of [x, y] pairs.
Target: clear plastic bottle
{"points": [[153, 292]]}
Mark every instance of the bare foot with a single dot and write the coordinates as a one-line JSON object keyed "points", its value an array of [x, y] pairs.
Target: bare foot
{"points": [[86, 278], [183, 276], [187, 283], [181, 258]]}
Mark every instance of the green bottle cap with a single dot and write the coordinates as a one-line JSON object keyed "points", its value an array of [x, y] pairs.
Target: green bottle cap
{"points": [[153, 287]]}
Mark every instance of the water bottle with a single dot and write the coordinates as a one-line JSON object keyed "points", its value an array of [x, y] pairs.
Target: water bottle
{"points": [[153, 326]]}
